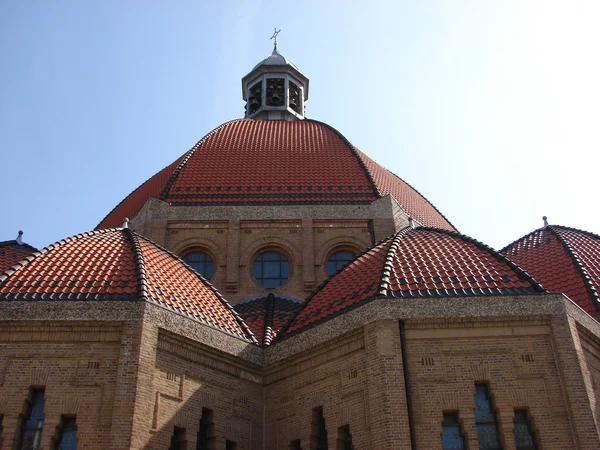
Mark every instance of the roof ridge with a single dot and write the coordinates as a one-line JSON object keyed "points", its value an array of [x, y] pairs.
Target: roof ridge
{"points": [[589, 287], [14, 242], [505, 248], [386, 270], [354, 151], [579, 230], [269, 312], [186, 158], [128, 195], [208, 284], [321, 286], [10, 271], [422, 196], [536, 286], [140, 267]]}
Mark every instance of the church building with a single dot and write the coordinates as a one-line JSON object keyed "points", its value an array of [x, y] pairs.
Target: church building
{"points": [[276, 288]]}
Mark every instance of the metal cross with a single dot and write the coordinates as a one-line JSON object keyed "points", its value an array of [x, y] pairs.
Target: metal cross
{"points": [[276, 32]]}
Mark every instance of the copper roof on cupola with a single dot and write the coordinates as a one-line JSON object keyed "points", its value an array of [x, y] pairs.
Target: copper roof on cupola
{"points": [[275, 162], [118, 264], [564, 260], [416, 263]]}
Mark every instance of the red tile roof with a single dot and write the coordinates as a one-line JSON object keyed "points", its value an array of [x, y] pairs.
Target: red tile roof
{"points": [[253, 162], [118, 264], [266, 316], [132, 204], [421, 262], [11, 252], [564, 260], [413, 203]]}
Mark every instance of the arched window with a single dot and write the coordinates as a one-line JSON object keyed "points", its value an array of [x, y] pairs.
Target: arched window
{"points": [[202, 263], [338, 260], [271, 269]]}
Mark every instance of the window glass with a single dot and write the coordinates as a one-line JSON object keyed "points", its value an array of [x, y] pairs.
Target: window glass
{"points": [[271, 269], [485, 420], [178, 439], [201, 263], [451, 437], [67, 437], [34, 422], [339, 260], [524, 438]]}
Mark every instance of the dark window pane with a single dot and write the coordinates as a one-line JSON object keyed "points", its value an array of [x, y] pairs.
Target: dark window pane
{"points": [[206, 433], [31, 436], [485, 420], [271, 269], [202, 263], [67, 436], [319, 431], [451, 437], [524, 438], [339, 260]]}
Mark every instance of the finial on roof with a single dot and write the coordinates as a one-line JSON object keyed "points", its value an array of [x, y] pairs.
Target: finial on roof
{"points": [[411, 222], [20, 237], [275, 33], [126, 222], [545, 219]]}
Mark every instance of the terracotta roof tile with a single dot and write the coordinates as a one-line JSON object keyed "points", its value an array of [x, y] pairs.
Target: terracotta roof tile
{"points": [[258, 161], [266, 316], [118, 264], [132, 204], [90, 265], [413, 203], [564, 260], [172, 283], [422, 262], [253, 162], [11, 252]]}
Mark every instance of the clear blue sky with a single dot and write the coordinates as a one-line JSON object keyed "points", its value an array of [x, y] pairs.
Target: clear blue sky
{"points": [[490, 109]]}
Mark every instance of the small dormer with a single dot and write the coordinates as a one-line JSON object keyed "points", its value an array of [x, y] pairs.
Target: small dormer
{"points": [[275, 90]]}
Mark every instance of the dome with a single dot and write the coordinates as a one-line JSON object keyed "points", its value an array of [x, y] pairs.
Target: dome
{"points": [[415, 263], [275, 162], [275, 59], [564, 260], [118, 264]]}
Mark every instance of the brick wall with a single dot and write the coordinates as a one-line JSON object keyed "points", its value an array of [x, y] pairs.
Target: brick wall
{"points": [[78, 364]]}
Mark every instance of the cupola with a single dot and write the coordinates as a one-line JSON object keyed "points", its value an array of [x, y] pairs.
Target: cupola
{"points": [[275, 89]]}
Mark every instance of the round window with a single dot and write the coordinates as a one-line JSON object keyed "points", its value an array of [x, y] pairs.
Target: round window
{"points": [[201, 263], [271, 269], [339, 260]]}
